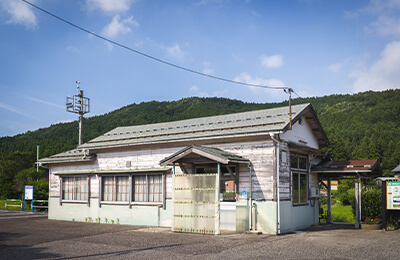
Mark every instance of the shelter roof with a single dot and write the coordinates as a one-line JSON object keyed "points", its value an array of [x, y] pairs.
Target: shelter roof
{"points": [[397, 169], [211, 153], [366, 168]]}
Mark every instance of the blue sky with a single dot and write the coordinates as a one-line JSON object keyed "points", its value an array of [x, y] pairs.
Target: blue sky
{"points": [[315, 47]]}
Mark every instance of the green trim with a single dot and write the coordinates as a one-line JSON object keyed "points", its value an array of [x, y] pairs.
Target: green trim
{"points": [[114, 171]]}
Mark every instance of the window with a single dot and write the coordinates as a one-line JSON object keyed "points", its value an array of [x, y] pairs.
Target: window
{"points": [[75, 188], [147, 188], [299, 188], [132, 189], [115, 188], [299, 166]]}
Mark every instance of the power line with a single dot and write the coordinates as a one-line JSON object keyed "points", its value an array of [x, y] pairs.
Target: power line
{"points": [[152, 57]]}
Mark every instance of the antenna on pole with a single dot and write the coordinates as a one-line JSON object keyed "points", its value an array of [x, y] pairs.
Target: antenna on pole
{"points": [[289, 91], [80, 105]]}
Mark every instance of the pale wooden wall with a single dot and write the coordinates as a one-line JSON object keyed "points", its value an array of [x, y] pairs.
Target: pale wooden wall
{"points": [[261, 154]]}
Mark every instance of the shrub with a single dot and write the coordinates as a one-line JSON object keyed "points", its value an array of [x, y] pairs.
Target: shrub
{"points": [[371, 203]]}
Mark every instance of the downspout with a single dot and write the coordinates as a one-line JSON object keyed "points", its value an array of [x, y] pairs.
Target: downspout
{"points": [[278, 207], [251, 196]]}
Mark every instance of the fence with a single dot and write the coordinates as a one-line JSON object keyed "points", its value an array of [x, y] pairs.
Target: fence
{"points": [[13, 205], [39, 206]]}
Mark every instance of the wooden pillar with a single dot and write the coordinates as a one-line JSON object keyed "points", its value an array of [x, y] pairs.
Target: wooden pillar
{"points": [[329, 214]]}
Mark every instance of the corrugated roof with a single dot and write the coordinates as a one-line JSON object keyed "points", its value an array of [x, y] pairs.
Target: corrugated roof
{"points": [[349, 167], [208, 152], [397, 169], [260, 121], [69, 156]]}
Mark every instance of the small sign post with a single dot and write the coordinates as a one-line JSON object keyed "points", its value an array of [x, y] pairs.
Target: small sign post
{"points": [[28, 194], [244, 194]]}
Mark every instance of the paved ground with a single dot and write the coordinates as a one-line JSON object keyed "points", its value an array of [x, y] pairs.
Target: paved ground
{"points": [[33, 236]]}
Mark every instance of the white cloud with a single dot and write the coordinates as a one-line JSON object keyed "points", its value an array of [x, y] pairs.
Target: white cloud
{"points": [[386, 26], [117, 26], [247, 78], [386, 18], [20, 13], [110, 5], [16, 111], [274, 61], [45, 102], [383, 74], [175, 52], [207, 70], [335, 68], [194, 89], [72, 49]]}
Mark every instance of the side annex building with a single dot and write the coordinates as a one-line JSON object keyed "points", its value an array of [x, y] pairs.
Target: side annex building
{"points": [[237, 172]]}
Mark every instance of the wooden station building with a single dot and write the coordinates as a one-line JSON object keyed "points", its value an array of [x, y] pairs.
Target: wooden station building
{"points": [[176, 174]]}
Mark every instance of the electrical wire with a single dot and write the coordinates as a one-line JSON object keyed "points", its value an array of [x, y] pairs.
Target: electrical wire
{"points": [[152, 57]]}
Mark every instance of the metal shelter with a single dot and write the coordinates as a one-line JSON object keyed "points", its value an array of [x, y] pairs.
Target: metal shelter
{"points": [[358, 169]]}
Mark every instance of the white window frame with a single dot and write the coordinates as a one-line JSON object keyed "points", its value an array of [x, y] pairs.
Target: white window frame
{"points": [[131, 202], [147, 202], [115, 194], [74, 194]]}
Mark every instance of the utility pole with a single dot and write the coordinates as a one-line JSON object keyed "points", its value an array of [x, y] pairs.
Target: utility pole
{"points": [[289, 91], [80, 105]]}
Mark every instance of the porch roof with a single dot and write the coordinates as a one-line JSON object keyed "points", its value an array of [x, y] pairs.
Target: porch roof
{"points": [[364, 168], [211, 153], [76, 155]]}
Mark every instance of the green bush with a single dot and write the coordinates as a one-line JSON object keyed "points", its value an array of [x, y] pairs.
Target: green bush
{"points": [[371, 203]]}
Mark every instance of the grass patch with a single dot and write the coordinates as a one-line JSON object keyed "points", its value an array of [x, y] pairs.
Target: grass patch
{"points": [[3, 203], [341, 213]]}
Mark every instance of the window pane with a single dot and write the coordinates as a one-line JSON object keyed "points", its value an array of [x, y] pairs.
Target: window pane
{"points": [[122, 188], [294, 161], [303, 188], [295, 188], [108, 188], [140, 188], [302, 163], [80, 188], [67, 188], [155, 188]]}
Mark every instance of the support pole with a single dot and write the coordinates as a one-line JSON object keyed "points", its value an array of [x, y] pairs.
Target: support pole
{"points": [[357, 193], [329, 215], [217, 197], [37, 158]]}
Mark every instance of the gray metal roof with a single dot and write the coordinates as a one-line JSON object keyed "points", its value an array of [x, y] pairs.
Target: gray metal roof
{"points": [[212, 153], [69, 156], [253, 122], [397, 169]]}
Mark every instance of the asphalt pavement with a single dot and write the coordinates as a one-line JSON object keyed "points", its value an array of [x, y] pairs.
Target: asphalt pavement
{"points": [[33, 236]]}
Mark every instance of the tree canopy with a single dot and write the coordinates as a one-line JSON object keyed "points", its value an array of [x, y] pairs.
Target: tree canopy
{"points": [[359, 126]]}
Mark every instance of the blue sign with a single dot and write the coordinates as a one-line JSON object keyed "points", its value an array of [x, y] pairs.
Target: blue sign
{"points": [[244, 193]]}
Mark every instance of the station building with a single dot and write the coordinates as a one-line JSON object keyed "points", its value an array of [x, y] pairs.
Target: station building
{"points": [[236, 172]]}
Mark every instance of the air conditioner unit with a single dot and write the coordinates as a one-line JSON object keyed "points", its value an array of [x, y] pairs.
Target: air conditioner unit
{"points": [[314, 192]]}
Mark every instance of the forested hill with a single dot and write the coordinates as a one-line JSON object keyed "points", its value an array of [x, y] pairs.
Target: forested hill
{"points": [[360, 126]]}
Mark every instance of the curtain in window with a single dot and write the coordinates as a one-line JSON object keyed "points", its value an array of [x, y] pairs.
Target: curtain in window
{"points": [[140, 188], [108, 188], [155, 188], [67, 189], [122, 188]]}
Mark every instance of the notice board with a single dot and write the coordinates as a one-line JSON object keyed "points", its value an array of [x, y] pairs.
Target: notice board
{"points": [[393, 195]]}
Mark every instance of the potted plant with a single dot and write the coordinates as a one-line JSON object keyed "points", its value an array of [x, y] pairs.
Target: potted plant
{"points": [[372, 223]]}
